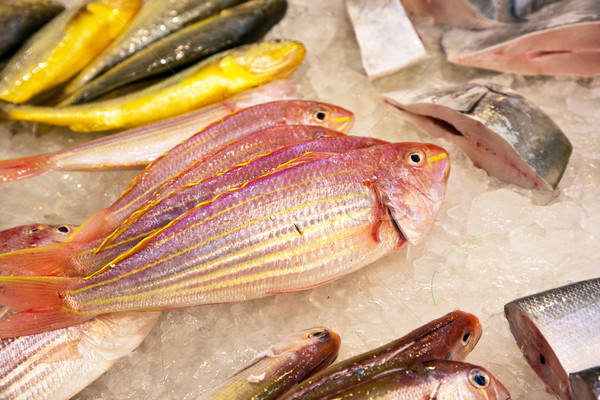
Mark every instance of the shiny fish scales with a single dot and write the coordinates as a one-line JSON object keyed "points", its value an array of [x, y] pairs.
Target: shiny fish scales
{"points": [[294, 229]]}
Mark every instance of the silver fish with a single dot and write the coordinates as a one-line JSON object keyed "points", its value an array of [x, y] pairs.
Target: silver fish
{"points": [[501, 131], [558, 331], [585, 385]]}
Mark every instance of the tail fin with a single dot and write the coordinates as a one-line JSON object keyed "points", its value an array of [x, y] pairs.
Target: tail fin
{"points": [[26, 167], [51, 260], [39, 303]]}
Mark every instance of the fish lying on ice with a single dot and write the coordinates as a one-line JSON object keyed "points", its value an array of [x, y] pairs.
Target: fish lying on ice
{"points": [[558, 331], [293, 229], [232, 27], [63, 47], [585, 385], [281, 366], [34, 235], [468, 14], [388, 42], [209, 81], [139, 146], [452, 337], [156, 19], [20, 18], [500, 131], [559, 39], [439, 380]]}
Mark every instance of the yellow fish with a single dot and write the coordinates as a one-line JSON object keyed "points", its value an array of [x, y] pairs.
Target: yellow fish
{"points": [[212, 80]]}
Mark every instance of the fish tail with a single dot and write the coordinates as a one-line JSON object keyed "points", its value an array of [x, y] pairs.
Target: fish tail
{"points": [[39, 304], [26, 167], [51, 260]]}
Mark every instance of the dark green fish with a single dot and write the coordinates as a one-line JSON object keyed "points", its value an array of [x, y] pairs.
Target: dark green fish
{"points": [[20, 18]]}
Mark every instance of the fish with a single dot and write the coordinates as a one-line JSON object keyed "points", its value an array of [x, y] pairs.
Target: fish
{"points": [[467, 14], [209, 81], [293, 229], [559, 39], [140, 146], [63, 47], [499, 130], [585, 385], [58, 364], [439, 379], [232, 27], [281, 366], [155, 20], [386, 37], [558, 331], [33, 235], [452, 337], [20, 18]]}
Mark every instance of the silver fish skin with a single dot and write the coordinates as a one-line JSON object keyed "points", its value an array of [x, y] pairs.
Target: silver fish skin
{"points": [[58, 364], [559, 39], [155, 20], [558, 331], [522, 8], [33, 235], [501, 131], [585, 385], [234, 26]]}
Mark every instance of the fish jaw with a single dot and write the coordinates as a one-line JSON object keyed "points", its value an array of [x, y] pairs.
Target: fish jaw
{"points": [[414, 193]]}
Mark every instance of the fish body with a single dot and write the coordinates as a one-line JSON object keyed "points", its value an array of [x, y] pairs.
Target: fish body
{"points": [[20, 18], [156, 19], [585, 385], [501, 131], [209, 81], [138, 147], [293, 229], [34, 235], [440, 380], [467, 14], [452, 337], [558, 331], [559, 39], [281, 366], [63, 47], [232, 27]]}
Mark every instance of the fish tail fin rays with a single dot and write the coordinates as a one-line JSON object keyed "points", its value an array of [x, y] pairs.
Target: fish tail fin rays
{"points": [[51, 260], [25, 167], [97, 226], [39, 304]]}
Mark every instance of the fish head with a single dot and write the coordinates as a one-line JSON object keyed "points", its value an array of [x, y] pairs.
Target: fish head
{"points": [[316, 347], [268, 60], [463, 381], [412, 185], [308, 112], [465, 332], [34, 235]]}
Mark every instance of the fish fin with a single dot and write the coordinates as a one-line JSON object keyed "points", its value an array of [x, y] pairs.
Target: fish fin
{"points": [[25, 167], [95, 227], [51, 260], [303, 159], [30, 323]]}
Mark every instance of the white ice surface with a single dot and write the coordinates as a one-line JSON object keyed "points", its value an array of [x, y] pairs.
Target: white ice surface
{"points": [[493, 242]]}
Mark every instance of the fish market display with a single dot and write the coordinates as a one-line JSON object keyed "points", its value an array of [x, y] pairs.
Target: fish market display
{"points": [[56, 365], [20, 18], [388, 42], [263, 238], [34, 235], [63, 47], [585, 385], [558, 331], [281, 366], [452, 337], [232, 27], [500, 131], [468, 14], [440, 380], [210, 81], [156, 19], [139, 146], [559, 39]]}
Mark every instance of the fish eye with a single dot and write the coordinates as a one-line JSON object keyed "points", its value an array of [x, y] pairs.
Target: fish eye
{"points": [[319, 335], [63, 229], [478, 378], [416, 158], [36, 228], [465, 338], [320, 115], [320, 134]]}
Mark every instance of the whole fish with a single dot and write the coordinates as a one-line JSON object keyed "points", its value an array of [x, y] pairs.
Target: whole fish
{"points": [[501, 131], [156, 19], [451, 337], [585, 385], [56, 365], [232, 27], [439, 380], [139, 146], [292, 229], [209, 81], [281, 366], [34, 235], [63, 47], [558, 331], [20, 18], [559, 39]]}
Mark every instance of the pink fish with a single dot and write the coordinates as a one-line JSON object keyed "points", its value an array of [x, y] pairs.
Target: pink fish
{"points": [[34, 235]]}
